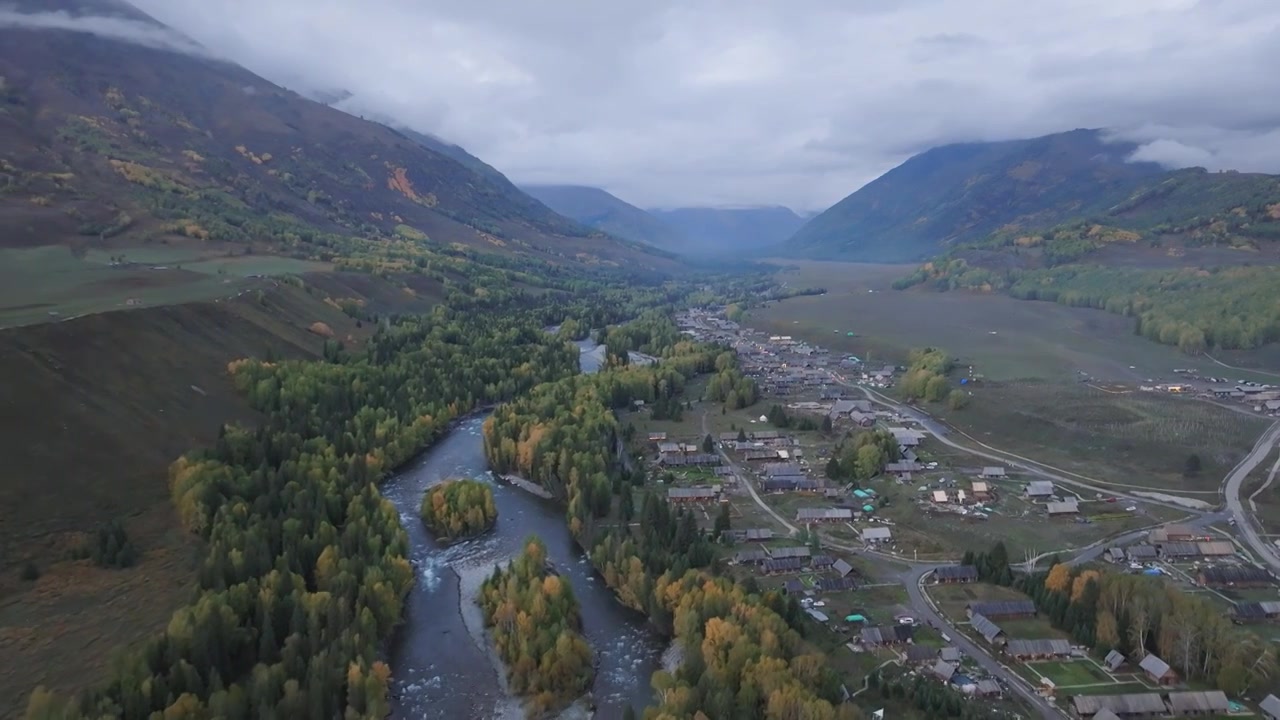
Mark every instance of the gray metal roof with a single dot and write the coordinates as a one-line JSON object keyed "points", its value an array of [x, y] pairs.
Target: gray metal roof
{"points": [[1070, 505], [1040, 487], [1271, 706], [989, 630], [1044, 646], [789, 552], [921, 653], [956, 572], [996, 608], [944, 670], [1128, 704], [1199, 703], [1154, 666], [1114, 659]]}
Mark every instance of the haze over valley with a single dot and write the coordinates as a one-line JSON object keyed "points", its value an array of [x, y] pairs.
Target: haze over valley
{"points": [[639, 360]]}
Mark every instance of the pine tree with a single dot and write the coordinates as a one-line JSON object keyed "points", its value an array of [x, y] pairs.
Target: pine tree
{"points": [[722, 520]]}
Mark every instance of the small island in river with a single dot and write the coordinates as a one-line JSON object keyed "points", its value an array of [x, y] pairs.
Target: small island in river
{"points": [[458, 509], [536, 625]]}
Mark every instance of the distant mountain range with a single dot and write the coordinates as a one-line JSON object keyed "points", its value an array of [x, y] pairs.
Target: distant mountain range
{"points": [[956, 193], [753, 229], [692, 230], [598, 209]]}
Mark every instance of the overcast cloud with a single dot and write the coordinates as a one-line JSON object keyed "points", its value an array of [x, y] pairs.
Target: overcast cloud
{"points": [[719, 102]]}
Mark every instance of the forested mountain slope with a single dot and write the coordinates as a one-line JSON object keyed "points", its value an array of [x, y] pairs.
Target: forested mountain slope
{"points": [[960, 192], [105, 143], [1193, 255]]}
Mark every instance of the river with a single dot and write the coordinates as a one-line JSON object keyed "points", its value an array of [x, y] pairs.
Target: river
{"points": [[438, 668]]}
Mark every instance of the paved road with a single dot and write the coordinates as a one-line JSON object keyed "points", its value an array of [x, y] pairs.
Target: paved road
{"points": [[923, 607], [747, 482], [1246, 525], [911, 579], [1036, 468]]}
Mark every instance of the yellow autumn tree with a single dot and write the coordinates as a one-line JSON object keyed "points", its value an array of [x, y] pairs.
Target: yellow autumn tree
{"points": [[1059, 579]]}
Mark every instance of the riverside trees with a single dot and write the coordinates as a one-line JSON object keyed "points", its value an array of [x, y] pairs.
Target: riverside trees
{"points": [[744, 657], [536, 624], [305, 570], [456, 509]]}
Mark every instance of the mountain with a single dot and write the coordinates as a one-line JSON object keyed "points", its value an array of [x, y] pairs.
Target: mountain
{"points": [[960, 192], [719, 230], [597, 208], [1193, 255], [114, 130]]}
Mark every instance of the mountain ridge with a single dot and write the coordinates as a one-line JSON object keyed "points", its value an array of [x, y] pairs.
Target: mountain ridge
{"points": [[754, 230], [598, 208], [962, 191], [83, 111]]}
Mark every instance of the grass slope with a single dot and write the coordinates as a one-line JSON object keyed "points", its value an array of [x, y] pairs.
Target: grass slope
{"points": [[964, 191], [103, 142], [96, 409]]}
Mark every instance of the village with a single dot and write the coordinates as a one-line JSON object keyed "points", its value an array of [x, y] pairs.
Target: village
{"points": [[830, 542]]}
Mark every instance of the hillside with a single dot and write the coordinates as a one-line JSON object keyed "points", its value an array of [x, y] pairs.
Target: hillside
{"points": [[598, 209], [721, 230], [1192, 255], [961, 192], [110, 144], [96, 409]]}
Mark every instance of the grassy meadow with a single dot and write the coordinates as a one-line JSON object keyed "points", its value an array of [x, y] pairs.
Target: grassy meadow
{"points": [[49, 283], [1004, 338], [1030, 399]]}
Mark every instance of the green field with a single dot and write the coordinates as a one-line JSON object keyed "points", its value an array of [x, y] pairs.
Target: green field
{"points": [[1030, 400], [1071, 672], [952, 599], [1038, 340], [1133, 438], [48, 284]]}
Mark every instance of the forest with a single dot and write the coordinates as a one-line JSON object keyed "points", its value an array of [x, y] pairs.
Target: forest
{"points": [[1140, 614], [1191, 308], [305, 569], [457, 509], [536, 624]]}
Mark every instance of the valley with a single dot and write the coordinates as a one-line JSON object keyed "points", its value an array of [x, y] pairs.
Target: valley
{"points": [[945, 447]]}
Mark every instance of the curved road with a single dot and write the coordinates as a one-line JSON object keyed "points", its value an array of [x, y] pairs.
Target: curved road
{"points": [[1246, 525], [912, 579], [1031, 466]]}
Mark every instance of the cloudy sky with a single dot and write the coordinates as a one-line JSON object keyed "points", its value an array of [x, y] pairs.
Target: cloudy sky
{"points": [[798, 103]]}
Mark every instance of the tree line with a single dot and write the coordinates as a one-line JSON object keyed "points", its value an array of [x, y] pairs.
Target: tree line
{"points": [[305, 570], [926, 378], [863, 455], [536, 625], [1139, 614], [1193, 309], [456, 509], [305, 567]]}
